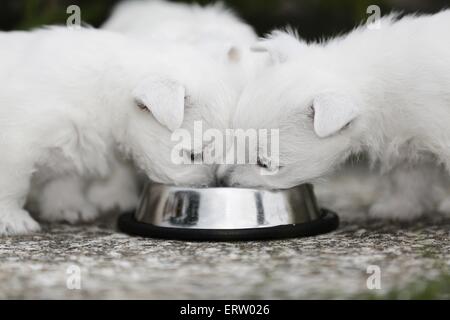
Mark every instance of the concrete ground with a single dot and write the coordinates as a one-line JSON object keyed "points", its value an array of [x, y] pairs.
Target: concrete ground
{"points": [[97, 262]]}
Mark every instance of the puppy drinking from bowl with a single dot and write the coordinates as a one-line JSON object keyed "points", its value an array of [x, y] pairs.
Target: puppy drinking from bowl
{"points": [[212, 30], [83, 95], [385, 91]]}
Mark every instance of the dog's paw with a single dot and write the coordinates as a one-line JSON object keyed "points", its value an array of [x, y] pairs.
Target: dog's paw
{"points": [[444, 207], [72, 211], [67, 208], [62, 200], [107, 197], [17, 222], [396, 209]]}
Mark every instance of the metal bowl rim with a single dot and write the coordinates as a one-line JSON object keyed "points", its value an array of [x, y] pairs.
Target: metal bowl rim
{"points": [[157, 184]]}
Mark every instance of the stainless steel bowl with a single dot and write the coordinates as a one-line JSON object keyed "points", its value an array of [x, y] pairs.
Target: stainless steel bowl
{"points": [[227, 213]]}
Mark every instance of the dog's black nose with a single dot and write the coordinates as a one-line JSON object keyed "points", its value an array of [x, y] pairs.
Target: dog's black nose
{"points": [[222, 181], [223, 175]]}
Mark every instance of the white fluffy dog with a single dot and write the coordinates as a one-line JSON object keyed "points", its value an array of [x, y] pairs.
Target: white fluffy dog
{"points": [[385, 91], [84, 94], [213, 30]]}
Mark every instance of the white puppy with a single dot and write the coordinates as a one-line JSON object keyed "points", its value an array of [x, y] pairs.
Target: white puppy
{"points": [[213, 28], [83, 95], [385, 91]]}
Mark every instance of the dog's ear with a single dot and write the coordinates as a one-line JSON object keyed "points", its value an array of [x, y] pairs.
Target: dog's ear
{"points": [[333, 112], [164, 98], [225, 52], [280, 45], [234, 54]]}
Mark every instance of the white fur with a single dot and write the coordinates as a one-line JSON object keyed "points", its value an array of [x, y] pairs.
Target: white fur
{"points": [[118, 191], [63, 199], [214, 28], [67, 105], [388, 93]]}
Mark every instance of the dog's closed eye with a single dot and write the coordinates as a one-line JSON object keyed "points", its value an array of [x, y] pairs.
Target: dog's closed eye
{"points": [[188, 101], [262, 163], [193, 156], [142, 106], [267, 164], [311, 112]]}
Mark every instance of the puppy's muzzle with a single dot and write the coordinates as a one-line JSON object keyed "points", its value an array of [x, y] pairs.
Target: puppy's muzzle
{"points": [[223, 175]]}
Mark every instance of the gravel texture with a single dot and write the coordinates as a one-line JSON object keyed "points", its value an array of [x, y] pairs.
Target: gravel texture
{"points": [[414, 261], [113, 265]]}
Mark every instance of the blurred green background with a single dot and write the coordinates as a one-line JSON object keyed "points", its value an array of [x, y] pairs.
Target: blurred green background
{"points": [[314, 18]]}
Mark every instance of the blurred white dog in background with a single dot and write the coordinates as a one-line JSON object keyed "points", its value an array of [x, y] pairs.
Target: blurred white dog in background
{"points": [[86, 95], [214, 29], [385, 92]]}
